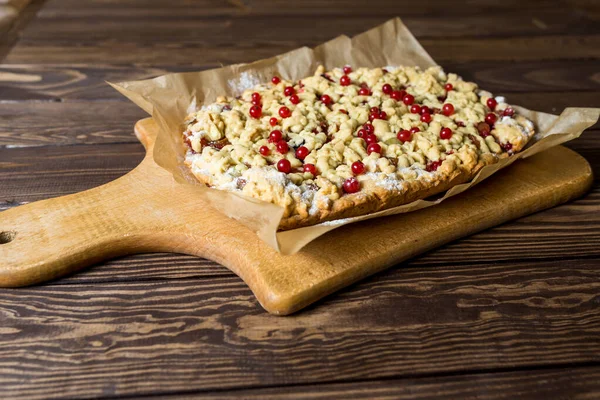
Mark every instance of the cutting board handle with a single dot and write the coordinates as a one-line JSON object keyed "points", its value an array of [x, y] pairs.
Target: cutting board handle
{"points": [[50, 238]]}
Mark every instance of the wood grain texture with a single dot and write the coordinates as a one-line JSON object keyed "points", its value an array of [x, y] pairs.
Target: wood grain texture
{"points": [[568, 383], [104, 340], [526, 327]]}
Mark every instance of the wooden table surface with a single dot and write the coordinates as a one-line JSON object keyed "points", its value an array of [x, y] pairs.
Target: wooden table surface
{"points": [[512, 312]]}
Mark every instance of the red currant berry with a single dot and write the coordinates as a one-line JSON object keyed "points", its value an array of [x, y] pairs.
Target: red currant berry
{"points": [[358, 167], [448, 109], [374, 110], [310, 168], [256, 97], [343, 111], [256, 102], [347, 69], [369, 128], [408, 99], [275, 80], [383, 115], [426, 118], [288, 91], [433, 166], [275, 136], [415, 129], [373, 116], [508, 112], [364, 91], [404, 135], [448, 87], [284, 166], [490, 118], [445, 133], [370, 139], [326, 99], [425, 110], [282, 147], [302, 152], [415, 109], [273, 121], [396, 95], [491, 103], [387, 88], [351, 185], [284, 112], [507, 146], [294, 99], [255, 111], [361, 133], [345, 80], [264, 150], [374, 147]]}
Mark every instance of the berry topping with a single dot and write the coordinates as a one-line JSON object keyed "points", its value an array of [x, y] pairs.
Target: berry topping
{"points": [[383, 115], [264, 150], [302, 152], [345, 80], [404, 135], [374, 147], [256, 97], [255, 111], [275, 136], [387, 88], [282, 147], [415, 129], [507, 146], [364, 91], [370, 139], [369, 128], [275, 80], [445, 133], [396, 95], [483, 129], [408, 99], [374, 110], [343, 111], [508, 112], [273, 121], [425, 110], [310, 168], [351, 185], [361, 133], [288, 91], [448, 109], [491, 118], [448, 87], [284, 112], [326, 99], [491, 103], [347, 69], [284, 166], [256, 102], [415, 109], [294, 99], [358, 167], [426, 118], [433, 166]]}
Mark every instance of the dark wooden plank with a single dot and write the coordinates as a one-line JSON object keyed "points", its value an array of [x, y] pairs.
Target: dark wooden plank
{"points": [[258, 8], [566, 383], [56, 123], [181, 52], [104, 340]]}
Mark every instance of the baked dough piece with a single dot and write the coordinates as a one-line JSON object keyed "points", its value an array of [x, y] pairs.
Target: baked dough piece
{"points": [[345, 143]]}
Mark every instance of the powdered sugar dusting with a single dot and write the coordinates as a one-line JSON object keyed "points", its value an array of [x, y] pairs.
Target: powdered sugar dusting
{"points": [[244, 81]]}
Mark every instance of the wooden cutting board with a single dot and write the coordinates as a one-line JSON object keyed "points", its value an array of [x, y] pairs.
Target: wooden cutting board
{"points": [[146, 211]]}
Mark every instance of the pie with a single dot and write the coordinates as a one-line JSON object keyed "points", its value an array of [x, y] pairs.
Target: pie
{"points": [[346, 142]]}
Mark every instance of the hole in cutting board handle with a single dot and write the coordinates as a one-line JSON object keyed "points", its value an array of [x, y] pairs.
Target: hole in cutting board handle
{"points": [[7, 236]]}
